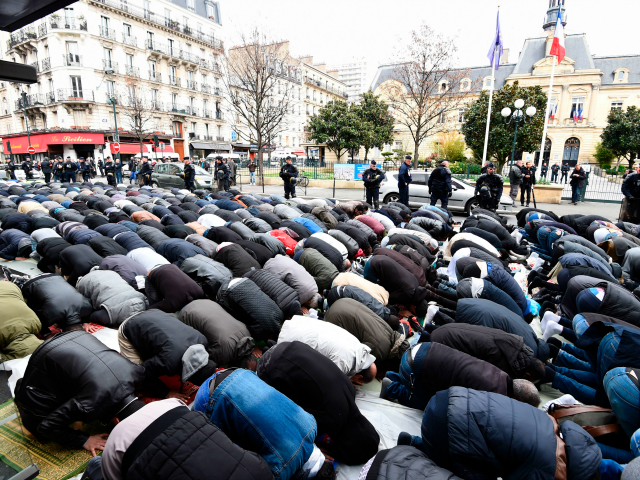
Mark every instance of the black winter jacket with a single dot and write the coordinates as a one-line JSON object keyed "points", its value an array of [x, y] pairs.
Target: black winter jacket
{"points": [[78, 260], [50, 250], [127, 268], [74, 377], [176, 250], [405, 462], [320, 388], [236, 259], [193, 448], [207, 273], [285, 297], [105, 246], [169, 289]]}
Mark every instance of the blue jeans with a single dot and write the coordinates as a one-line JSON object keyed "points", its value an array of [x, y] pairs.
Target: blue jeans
{"points": [[443, 196], [405, 386], [252, 178], [624, 397], [93, 470], [575, 193], [260, 419], [118, 176]]}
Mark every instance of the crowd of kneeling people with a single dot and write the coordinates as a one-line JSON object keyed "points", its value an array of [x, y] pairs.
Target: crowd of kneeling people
{"points": [[245, 324]]}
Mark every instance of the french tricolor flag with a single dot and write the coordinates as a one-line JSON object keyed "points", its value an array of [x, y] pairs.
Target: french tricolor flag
{"points": [[557, 47]]}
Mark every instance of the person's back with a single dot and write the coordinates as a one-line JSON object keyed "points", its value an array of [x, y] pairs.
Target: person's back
{"points": [[74, 377], [317, 385], [19, 325]]}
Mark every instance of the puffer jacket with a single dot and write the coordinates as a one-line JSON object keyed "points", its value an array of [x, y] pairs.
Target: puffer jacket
{"points": [[50, 249], [105, 246], [477, 311], [259, 252], [310, 224], [222, 234], [109, 291], [319, 267], [405, 462], [319, 223], [288, 242], [372, 237], [481, 288], [332, 254], [19, 221], [206, 272], [368, 328], [228, 340], [257, 225], [241, 229], [412, 242], [78, 260], [161, 342], [169, 289], [20, 324], [402, 285], [285, 297], [490, 436], [207, 448], [152, 236], [112, 229], [64, 228], [285, 212], [337, 245], [74, 377], [273, 244], [356, 234], [294, 275], [325, 217], [208, 246], [245, 301], [124, 266], [131, 241], [376, 291], [10, 243], [81, 236], [236, 259], [300, 230], [341, 291], [349, 243], [177, 251], [416, 270]]}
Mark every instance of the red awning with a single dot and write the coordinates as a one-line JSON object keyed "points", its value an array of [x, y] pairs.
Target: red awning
{"points": [[41, 141], [167, 149], [131, 148]]}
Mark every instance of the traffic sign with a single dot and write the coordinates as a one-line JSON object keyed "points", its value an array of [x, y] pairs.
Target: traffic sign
{"points": [[116, 147], [31, 150]]}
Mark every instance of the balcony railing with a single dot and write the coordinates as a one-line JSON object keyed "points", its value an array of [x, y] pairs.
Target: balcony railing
{"points": [[156, 105], [110, 65], [22, 35], [72, 60], [220, 139], [68, 23], [35, 64], [177, 108], [205, 88], [175, 81], [155, 76], [71, 94], [33, 100], [159, 19], [193, 111], [45, 65], [216, 68], [107, 33], [191, 85], [216, 91], [207, 113], [189, 57], [129, 40], [132, 71], [219, 115]]}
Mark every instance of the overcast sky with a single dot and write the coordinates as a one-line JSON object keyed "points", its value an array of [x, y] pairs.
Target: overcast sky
{"points": [[336, 31]]}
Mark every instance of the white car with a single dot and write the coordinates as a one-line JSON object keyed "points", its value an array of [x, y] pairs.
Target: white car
{"points": [[462, 198]]}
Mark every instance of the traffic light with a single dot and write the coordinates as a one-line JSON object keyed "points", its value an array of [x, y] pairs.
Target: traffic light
{"points": [[9, 146], [155, 141]]}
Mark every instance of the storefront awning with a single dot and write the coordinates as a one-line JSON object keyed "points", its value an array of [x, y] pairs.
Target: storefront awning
{"points": [[165, 149], [131, 148], [211, 146], [40, 142]]}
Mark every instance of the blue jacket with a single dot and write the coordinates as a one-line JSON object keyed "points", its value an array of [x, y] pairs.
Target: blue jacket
{"points": [[569, 259], [131, 241], [476, 311], [177, 250], [308, 224], [9, 243], [490, 435], [247, 410], [228, 205], [111, 229], [81, 236], [505, 282], [160, 211], [404, 175]]}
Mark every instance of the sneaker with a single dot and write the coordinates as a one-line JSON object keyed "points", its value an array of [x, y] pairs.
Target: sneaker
{"points": [[383, 390]]}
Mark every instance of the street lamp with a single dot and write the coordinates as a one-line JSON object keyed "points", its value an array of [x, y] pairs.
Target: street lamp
{"points": [[517, 116]]}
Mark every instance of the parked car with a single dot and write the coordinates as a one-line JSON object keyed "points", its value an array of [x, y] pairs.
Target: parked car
{"points": [[167, 175], [462, 198]]}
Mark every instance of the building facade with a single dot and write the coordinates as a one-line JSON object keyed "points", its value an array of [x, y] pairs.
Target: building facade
{"points": [[586, 88], [98, 52], [354, 76]]}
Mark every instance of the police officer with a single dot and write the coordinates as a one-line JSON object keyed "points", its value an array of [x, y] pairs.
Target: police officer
{"points": [[554, 172], [146, 171], [27, 166], [110, 170], [70, 169], [404, 179], [85, 169], [222, 174], [47, 168], [11, 168], [58, 170], [543, 170], [372, 177], [287, 173], [631, 185], [189, 174], [440, 184], [565, 172], [489, 188]]}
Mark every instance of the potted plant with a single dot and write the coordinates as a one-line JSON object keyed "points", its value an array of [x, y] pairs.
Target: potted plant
{"points": [[55, 18]]}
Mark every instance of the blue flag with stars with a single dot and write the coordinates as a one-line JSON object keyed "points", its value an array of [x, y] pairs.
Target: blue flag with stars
{"points": [[497, 47]]}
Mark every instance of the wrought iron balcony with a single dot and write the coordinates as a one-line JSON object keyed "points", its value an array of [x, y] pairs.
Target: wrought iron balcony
{"points": [[205, 88], [175, 81], [132, 71], [189, 57], [207, 113], [156, 105], [21, 36], [129, 40], [33, 100], [220, 139], [109, 65], [216, 91], [191, 85], [72, 60], [115, 96], [219, 115], [45, 64], [67, 23], [155, 76], [109, 33], [156, 46], [35, 64], [216, 68], [71, 95], [178, 108]]}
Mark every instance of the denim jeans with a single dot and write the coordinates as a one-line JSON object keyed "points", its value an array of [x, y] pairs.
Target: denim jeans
{"points": [[575, 193], [118, 176], [260, 419], [252, 178], [93, 470], [624, 397], [406, 386]]}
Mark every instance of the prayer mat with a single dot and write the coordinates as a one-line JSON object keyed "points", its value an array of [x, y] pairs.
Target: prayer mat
{"points": [[18, 448]]}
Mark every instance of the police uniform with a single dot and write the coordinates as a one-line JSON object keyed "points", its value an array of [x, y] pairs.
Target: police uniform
{"points": [[440, 186], [489, 190], [287, 172], [372, 179]]}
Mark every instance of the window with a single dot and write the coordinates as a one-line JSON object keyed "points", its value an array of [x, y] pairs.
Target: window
{"points": [[314, 95], [72, 54], [107, 58], [193, 127], [442, 118], [173, 73], [192, 103], [190, 75], [173, 169], [571, 151], [616, 105], [76, 86], [149, 39], [174, 100], [219, 131], [152, 69], [621, 75], [154, 95], [147, 9], [487, 82], [104, 23], [307, 109], [5, 106], [111, 87], [50, 85], [170, 43], [132, 94], [577, 108], [167, 17], [191, 5], [444, 87], [127, 29], [69, 16], [8, 128], [418, 179], [465, 85], [461, 115], [206, 129], [185, 23], [203, 79]]}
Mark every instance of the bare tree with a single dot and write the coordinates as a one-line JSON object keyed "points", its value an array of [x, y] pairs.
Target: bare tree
{"points": [[260, 79], [426, 85], [138, 110]]}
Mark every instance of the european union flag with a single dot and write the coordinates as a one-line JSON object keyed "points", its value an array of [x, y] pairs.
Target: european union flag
{"points": [[497, 47]]}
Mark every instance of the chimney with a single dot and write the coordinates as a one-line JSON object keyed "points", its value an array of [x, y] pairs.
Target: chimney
{"points": [[308, 59], [321, 66], [333, 73], [505, 56]]}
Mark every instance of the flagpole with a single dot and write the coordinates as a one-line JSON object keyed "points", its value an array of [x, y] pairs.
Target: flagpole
{"points": [[546, 118], [493, 81]]}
